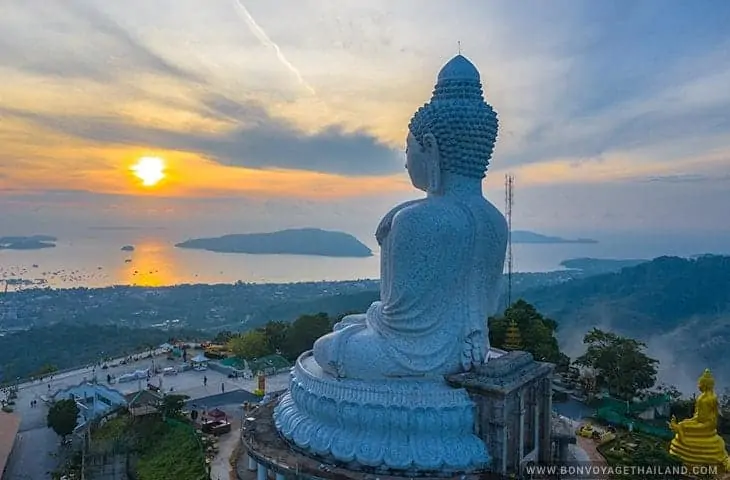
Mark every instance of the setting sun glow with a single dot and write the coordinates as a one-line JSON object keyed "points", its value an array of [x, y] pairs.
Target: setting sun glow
{"points": [[150, 170]]}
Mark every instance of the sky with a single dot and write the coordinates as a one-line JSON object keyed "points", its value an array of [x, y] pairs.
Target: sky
{"points": [[273, 114]]}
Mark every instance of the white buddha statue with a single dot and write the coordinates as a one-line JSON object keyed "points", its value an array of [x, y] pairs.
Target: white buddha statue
{"points": [[372, 395], [442, 257]]}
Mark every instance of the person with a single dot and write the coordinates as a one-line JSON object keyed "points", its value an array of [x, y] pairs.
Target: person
{"points": [[205, 381], [223, 387]]}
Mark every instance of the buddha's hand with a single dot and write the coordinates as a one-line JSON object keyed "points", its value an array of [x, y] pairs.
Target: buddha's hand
{"points": [[383, 229], [673, 423]]}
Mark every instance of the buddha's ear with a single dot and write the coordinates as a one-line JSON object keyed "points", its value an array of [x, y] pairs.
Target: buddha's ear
{"points": [[433, 167], [429, 143]]}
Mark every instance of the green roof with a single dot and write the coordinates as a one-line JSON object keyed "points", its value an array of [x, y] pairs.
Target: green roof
{"points": [[270, 361], [634, 407], [276, 362], [234, 362]]}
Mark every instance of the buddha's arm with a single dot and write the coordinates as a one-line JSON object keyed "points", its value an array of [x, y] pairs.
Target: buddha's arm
{"points": [[384, 225], [424, 254]]}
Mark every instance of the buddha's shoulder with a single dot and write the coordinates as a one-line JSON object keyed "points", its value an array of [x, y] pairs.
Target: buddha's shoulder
{"points": [[434, 211]]}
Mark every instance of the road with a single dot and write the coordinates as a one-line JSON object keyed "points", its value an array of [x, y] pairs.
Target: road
{"points": [[35, 451]]}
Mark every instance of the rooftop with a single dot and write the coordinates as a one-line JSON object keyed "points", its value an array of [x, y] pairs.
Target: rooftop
{"points": [[9, 425], [503, 374]]}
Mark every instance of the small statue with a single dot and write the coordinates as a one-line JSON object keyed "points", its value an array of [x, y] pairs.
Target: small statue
{"points": [[442, 256], [696, 441]]}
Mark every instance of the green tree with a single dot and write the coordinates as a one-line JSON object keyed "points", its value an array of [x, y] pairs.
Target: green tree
{"points": [[252, 344], [173, 405], [537, 333], [669, 390], [620, 363], [46, 369], [275, 334], [223, 337], [724, 423], [62, 417], [303, 332]]}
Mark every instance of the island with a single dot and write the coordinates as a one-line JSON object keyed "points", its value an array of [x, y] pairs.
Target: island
{"points": [[524, 236], [128, 248], [600, 265], [32, 242], [296, 241]]}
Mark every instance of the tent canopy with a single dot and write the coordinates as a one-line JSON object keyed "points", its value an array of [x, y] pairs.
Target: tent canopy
{"points": [[217, 414], [200, 358]]}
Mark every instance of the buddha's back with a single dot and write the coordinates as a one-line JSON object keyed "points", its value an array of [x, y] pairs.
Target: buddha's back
{"points": [[444, 265]]}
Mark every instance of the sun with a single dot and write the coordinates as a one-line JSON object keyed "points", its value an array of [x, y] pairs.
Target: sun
{"points": [[150, 170]]}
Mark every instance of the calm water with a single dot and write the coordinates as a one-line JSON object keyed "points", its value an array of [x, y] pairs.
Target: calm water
{"points": [[96, 260]]}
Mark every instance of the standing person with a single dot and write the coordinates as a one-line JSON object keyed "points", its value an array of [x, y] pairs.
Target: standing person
{"points": [[223, 387], [205, 381]]}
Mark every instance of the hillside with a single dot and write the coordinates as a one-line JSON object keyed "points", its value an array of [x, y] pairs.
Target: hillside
{"points": [[64, 346], [525, 236], [681, 307]]}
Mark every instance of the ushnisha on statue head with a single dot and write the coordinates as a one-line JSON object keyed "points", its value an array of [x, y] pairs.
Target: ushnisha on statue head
{"points": [[454, 134], [706, 382]]}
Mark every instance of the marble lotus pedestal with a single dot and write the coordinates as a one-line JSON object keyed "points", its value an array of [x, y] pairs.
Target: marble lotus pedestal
{"points": [[398, 425]]}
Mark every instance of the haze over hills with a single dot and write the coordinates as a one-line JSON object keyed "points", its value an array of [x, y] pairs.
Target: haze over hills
{"points": [[680, 307], [296, 241]]}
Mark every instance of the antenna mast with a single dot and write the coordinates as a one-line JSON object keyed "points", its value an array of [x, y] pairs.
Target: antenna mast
{"points": [[509, 184]]}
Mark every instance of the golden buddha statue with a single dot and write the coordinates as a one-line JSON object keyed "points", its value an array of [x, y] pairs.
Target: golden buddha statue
{"points": [[696, 441]]}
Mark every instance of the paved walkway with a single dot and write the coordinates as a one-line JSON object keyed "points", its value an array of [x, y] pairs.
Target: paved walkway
{"points": [[221, 468], [34, 456], [588, 446]]}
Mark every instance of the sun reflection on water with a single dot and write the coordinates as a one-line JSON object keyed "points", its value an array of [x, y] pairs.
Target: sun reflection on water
{"points": [[151, 265]]}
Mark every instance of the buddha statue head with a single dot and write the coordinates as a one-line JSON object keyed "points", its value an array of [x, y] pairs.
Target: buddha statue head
{"points": [[706, 383], [454, 134]]}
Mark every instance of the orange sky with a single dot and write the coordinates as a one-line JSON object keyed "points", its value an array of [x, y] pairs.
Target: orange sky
{"points": [[240, 109]]}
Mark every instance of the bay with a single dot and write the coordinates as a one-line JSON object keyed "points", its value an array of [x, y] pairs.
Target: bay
{"points": [[96, 260]]}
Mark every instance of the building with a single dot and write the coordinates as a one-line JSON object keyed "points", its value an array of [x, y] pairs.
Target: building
{"points": [[514, 418], [144, 402], [9, 425], [94, 400], [513, 338]]}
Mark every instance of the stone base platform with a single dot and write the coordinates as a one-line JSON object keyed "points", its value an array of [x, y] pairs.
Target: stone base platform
{"points": [[266, 455], [408, 427]]}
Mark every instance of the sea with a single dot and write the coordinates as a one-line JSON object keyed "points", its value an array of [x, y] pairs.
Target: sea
{"points": [[98, 261]]}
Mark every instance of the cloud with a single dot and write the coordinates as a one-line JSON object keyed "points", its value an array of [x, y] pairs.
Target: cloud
{"points": [[687, 178], [256, 140], [81, 43], [629, 96]]}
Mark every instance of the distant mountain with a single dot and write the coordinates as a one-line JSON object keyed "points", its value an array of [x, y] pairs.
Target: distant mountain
{"points": [[32, 242], [301, 241], [524, 236], [599, 265], [680, 306]]}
